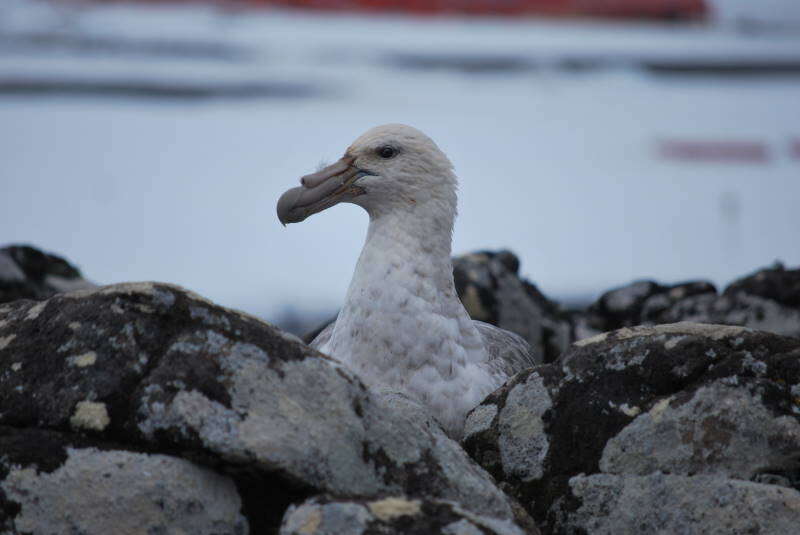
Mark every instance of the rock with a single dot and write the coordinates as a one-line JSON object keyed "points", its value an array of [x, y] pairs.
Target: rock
{"points": [[737, 307], [491, 290], [768, 300], [50, 485], [777, 284], [389, 515], [611, 505], [639, 302], [28, 273], [152, 367], [684, 398], [716, 429]]}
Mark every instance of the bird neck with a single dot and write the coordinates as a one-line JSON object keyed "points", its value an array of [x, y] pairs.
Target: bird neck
{"points": [[409, 246], [404, 274]]}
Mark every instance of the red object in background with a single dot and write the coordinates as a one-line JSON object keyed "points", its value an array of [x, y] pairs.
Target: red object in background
{"points": [[652, 9], [715, 151], [656, 9]]}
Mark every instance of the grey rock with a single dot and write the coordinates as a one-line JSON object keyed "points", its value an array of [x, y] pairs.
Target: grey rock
{"points": [[736, 308], [522, 440], [603, 504], [717, 429], [685, 398], [158, 367], [637, 303], [776, 283], [767, 300], [98, 492], [28, 273], [391, 515]]}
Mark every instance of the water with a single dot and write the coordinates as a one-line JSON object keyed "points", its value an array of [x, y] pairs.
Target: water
{"points": [[152, 144]]}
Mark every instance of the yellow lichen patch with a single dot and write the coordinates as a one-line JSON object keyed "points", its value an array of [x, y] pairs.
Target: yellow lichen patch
{"points": [[90, 415], [87, 359], [630, 411], [5, 340], [658, 409], [591, 340], [35, 310], [128, 288], [390, 508], [75, 325], [709, 330], [311, 522]]}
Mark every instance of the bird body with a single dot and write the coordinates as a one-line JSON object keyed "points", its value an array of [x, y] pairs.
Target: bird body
{"points": [[402, 324]]}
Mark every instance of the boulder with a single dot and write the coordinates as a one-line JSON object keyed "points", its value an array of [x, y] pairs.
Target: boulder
{"points": [[637, 303], [392, 515], [62, 483], [684, 399], [28, 273], [153, 368], [658, 503]]}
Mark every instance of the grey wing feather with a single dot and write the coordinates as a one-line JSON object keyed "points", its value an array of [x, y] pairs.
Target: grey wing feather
{"points": [[324, 335], [509, 353]]}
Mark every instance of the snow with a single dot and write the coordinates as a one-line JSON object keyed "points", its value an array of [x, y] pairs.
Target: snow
{"points": [[560, 166]]}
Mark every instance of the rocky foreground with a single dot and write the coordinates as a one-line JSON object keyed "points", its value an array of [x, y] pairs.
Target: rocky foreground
{"points": [[144, 408]]}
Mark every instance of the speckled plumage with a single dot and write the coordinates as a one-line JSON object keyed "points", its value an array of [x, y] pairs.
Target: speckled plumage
{"points": [[402, 324]]}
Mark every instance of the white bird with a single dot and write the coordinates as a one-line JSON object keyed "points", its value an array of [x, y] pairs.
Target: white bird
{"points": [[402, 325]]}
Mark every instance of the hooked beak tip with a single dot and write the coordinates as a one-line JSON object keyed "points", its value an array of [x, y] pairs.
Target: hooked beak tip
{"points": [[319, 191]]}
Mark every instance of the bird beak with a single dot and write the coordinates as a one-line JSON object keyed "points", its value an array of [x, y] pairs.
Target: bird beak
{"points": [[321, 190]]}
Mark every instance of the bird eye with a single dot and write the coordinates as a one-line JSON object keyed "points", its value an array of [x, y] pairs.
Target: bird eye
{"points": [[387, 152]]}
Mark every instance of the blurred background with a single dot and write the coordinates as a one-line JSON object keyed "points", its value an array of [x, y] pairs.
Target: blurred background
{"points": [[600, 140]]}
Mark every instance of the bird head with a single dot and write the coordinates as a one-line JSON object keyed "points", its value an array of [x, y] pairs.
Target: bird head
{"points": [[390, 167]]}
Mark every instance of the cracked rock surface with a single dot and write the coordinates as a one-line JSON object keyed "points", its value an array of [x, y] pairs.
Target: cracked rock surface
{"points": [[685, 399]]}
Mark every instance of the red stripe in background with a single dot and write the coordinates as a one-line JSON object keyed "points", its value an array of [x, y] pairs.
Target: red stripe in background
{"points": [[714, 151]]}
